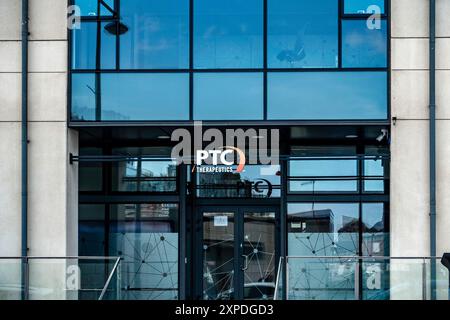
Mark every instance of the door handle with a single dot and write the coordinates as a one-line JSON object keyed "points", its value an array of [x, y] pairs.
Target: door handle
{"points": [[245, 266]]}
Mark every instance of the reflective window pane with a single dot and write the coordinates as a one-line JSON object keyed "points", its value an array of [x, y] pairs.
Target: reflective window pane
{"points": [[323, 229], [327, 95], [157, 175], [129, 96], [254, 182], [302, 34], [312, 175], [157, 36], [375, 169], [146, 237], [83, 97], [84, 47], [228, 33], [375, 230], [89, 7], [228, 96], [363, 47], [363, 6]]}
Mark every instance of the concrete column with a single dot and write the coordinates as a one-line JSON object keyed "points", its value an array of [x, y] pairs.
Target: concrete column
{"points": [[410, 147], [53, 187]]}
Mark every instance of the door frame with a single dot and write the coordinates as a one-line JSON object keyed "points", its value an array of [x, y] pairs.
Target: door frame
{"points": [[238, 211]]}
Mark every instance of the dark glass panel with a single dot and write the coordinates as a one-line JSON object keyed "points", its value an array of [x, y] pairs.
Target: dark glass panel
{"points": [[157, 36], [363, 47], [218, 255], [302, 34], [157, 175], [327, 95], [90, 174], [362, 6], [228, 96], [91, 230], [228, 33], [255, 182]]}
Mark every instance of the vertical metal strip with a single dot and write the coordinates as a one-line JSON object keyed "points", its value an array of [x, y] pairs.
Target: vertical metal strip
{"points": [[433, 145]]}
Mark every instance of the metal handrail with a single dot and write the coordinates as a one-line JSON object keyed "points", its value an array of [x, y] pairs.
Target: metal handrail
{"points": [[61, 258], [361, 257], [109, 279], [277, 280]]}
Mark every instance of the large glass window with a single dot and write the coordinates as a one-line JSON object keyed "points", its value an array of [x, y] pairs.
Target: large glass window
{"points": [[84, 44], [327, 95], [145, 236], [153, 37], [228, 34], [131, 96], [228, 96], [157, 36], [154, 175], [311, 175], [302, 34], [323, 229], [363, 47]]}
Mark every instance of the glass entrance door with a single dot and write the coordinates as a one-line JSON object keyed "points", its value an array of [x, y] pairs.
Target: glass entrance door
{"points": [[239, 253]]}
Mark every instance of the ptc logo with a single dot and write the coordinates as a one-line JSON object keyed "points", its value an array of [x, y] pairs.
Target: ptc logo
{"points": [[220, 157]]}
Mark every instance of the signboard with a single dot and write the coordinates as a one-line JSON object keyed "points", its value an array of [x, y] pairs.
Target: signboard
{"points": [[220, 221]]}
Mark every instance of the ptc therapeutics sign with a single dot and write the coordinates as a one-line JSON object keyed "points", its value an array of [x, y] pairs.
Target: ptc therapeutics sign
{"points": [[229, 150]]}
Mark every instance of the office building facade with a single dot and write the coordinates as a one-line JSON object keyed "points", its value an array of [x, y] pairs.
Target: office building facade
{"points": [[338, 92]]}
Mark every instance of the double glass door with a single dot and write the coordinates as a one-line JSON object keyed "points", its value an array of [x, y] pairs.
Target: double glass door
{"points": [[239, 252]]}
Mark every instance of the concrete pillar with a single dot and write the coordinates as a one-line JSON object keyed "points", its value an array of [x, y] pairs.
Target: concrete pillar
{"points": [[53, 202]]}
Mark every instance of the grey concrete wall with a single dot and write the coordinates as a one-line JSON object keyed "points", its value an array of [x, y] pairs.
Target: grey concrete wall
{"points": [[52, 180], [410, 146]]}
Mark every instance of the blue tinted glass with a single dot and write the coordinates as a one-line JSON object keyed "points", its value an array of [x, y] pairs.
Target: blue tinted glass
{"points": [[89, 7], [228, 96], [83, 96], [318, 170], [129, 96], [157, 36], [228, 33], [363, 47], [362, 6], [85, 47], [302, 34], [327, 95], [145, 96]]}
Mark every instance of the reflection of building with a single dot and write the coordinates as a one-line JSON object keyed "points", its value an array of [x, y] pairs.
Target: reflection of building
{"points": [[312, 221]]}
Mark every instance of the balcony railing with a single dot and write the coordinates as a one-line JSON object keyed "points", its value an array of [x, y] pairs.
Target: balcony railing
{"points": [[362, 278], [60, 278]]}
